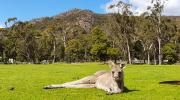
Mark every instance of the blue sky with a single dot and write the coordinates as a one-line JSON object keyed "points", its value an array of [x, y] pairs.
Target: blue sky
{"points": [[29, 9], [26, 10]]}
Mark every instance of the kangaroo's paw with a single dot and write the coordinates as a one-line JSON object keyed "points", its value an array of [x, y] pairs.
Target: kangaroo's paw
{"points": [[53, 87], [109, 93], [113, 92], [48, 87]]}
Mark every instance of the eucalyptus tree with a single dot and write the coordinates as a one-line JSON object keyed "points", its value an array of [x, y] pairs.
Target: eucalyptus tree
{"points": [[125, 24], [86, 43], [146, 34], [24, 40], [9, 44], [156, 14], [1, 45], [54, 32], [99, 44], [113, 53], [9, 20], [45, 44], [14, 19], [73, 50]]}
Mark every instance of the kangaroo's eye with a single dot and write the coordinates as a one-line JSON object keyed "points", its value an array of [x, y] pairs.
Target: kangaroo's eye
{"points": [[112, 72]]}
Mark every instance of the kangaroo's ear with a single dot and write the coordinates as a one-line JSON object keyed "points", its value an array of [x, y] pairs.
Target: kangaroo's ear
{"points": [[122, 65], [111, 63]]}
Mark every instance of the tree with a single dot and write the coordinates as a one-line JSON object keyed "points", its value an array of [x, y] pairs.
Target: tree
{"points": [[113, 53], [125, 22], [156, 13], [9, 20], [138, 50], [52, 35], [73, 50], [99, 46], [169, 52], [58, 39], [86, 43], [145, 34], [21, 42]]}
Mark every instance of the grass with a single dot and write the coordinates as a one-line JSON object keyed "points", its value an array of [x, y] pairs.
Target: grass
{"points": [[25, 82]]}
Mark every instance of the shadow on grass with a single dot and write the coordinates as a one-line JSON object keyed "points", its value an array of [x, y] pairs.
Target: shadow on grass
{"points": [[170, 82], [126, 90]]}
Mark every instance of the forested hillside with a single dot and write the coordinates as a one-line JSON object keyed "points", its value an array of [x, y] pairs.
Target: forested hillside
{"points": [[81, 35]]}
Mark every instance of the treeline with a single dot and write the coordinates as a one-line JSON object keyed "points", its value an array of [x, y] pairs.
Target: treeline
{"points": [[27, 45], [148, 37]]}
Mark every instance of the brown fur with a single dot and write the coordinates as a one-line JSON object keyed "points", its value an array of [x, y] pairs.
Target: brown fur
{"points": [[110, 81]]}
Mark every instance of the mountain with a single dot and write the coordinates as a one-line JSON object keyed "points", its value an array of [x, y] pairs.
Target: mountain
{"points": [[75, 19], [176, 19], [81, 21]]}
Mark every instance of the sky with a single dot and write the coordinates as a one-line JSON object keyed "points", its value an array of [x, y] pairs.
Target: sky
{"points": [[26, 10], [172, 7]]}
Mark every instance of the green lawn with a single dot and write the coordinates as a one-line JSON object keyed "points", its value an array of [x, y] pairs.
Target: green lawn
{"points": [[25, 82]]}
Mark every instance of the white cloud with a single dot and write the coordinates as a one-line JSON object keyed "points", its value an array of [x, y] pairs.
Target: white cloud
{"points": [[140, 6], [171, 8], [106, 6], [1, 26]]}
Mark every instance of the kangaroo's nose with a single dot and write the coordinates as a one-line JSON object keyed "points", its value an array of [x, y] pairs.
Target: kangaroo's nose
{"points": [[116, 77]]}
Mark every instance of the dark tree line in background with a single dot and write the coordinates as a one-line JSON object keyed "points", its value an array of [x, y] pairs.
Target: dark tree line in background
{"points": [[150, 37]]}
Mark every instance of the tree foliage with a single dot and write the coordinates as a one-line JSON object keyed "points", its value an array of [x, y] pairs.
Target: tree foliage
{"points": [[170, 53]]}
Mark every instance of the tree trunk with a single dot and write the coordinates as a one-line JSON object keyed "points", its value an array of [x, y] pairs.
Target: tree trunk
{"points": [[113, 44], [85, 55], [28, 57], [54, 51], [155, 57], [115, 60], [159, 39], [129, 53], [36, 61], [3, 56], [159, 47], [64, 41], [148, 55]]}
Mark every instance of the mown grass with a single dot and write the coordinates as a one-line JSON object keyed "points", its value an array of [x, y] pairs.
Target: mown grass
{"points": [[25, 82]]}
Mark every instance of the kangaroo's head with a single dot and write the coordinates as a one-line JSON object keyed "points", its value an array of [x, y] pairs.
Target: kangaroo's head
{"points": [[116, 70]]}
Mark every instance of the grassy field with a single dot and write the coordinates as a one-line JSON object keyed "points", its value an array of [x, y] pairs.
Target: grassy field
{"points": [[25, 82]]}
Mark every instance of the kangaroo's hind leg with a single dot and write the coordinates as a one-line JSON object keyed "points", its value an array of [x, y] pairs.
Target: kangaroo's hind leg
{"points": [[86, 82], [70, 86]]}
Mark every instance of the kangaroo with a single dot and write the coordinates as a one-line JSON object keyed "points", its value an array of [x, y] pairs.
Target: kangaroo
{"points": [[110, 81]]}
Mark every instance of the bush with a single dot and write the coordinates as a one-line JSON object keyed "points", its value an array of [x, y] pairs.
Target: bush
{"points": [[169, 53]]}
